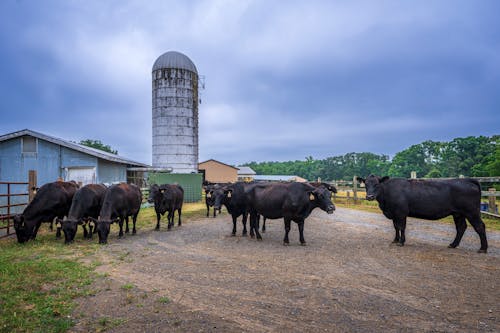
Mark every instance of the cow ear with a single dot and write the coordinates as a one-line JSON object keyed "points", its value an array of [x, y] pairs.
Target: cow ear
{"points": [[361, 180], [116, 220], [383, 179]]}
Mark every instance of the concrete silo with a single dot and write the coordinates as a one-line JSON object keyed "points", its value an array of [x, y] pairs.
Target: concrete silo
{"points": [[175, 113]]}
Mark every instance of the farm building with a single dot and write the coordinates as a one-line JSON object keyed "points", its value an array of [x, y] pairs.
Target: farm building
{"points": [[279, 178], [54, 158], [218, 172], [245, 174]]}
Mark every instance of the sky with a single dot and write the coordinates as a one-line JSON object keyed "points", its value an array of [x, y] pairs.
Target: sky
{"points": [[284, 80]]}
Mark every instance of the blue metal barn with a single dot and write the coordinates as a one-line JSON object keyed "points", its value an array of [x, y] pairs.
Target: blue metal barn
{"points": [[54, 159]]}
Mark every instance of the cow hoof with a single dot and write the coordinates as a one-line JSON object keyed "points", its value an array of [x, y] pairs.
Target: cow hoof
{"points": [[134, 232], [286, 243], [400, 244], [233, 235], [252, 236], [259, 238], [451, 246], [482, 251], [303, 244]]}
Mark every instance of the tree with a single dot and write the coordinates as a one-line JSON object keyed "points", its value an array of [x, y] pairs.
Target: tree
{"points": [[97, 144]]}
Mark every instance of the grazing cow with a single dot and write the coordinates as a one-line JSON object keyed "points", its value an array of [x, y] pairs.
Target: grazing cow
{"points": [[291, 201], [430, 200], [120, 201], [51, 200], [86, 203], [209, 197], [233, 197], [167, 198]]}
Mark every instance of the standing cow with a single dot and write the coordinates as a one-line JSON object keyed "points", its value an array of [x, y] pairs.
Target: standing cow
{"points": [[167, 198], [51, 200], [120, 201], [290, 201], [399, 198], [86, 203], [233, 197], [209, 197]]}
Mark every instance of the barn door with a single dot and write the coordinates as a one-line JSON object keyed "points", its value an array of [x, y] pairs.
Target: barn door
{"points": [[82, 176]]}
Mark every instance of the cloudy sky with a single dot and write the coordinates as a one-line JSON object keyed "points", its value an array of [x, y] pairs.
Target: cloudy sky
{"points": [[283, 79]]}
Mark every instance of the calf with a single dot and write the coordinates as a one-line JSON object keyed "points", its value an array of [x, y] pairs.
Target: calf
{"points": [[167, 198], [86, 204], [51, 200], [120, 201], [399, 198], [209, 197], [290, 201]]}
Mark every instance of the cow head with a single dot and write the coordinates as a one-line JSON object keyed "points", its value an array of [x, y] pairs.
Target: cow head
{"points": [[372, 185], [103, 228], [23, 232], [69, 227], [222, 196], [322, 197], [153, 192]]}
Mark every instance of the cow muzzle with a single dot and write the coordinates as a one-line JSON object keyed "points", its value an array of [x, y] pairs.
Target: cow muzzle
{"points": [[370, 197]]}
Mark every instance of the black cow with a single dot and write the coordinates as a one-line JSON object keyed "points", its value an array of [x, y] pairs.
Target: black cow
{"points": [[120, 201], [234, 198], [51, 200], [291, 201], [209, 197], [86, 203], [430, 200], [167, 198]]}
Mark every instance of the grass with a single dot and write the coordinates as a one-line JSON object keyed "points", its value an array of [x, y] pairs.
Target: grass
{"points": [[40, 280], [372, 206]]}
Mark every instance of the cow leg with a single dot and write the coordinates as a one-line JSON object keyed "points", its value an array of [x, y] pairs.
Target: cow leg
{"points": [[215, 212], [208, 210], [85, 232], [35, 232], [478, 225], [301, 233], [179, 212], [158, 217], [234, 225], [252, 224], [169, 218], [51, 227], [256, 228], [244, 221], [91, 231], [396, 238], [134, 219], [126, 226], [460, 225], [400, 224], [120, 235], [287, 230], [264, 225]]}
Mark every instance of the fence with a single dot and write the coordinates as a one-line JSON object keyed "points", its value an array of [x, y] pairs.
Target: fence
{"points": [[14, 196]]}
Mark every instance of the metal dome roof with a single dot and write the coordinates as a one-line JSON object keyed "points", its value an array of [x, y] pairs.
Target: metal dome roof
{"points": [[174, 59]]}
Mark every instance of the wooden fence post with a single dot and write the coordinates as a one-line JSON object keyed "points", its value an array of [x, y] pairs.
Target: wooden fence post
{"points": [[32, 183], [354, 189], [492, 201]]}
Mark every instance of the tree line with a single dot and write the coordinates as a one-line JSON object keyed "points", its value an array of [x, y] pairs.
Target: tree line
{"points": [[470, 156]]}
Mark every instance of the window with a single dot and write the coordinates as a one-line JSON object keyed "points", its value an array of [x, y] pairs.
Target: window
{"points": [[29, 144]]}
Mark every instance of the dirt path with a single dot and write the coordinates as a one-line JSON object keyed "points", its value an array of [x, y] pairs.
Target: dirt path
{"points": [[348, 278]]}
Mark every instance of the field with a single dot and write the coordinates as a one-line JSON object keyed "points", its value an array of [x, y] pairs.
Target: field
{"points": [[197, 278]]}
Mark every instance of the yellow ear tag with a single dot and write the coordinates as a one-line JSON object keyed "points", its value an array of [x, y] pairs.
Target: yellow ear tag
{"points": [[209, 195], [229, 194], [311, 197], [162, 191]]}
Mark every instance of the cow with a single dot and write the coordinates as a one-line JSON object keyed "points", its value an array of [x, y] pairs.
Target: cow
{"points": [[86, 203], [120, 201], [51, 200], [399, 198], [290, 201], [167, 198], [209, 198], [233, 197]]}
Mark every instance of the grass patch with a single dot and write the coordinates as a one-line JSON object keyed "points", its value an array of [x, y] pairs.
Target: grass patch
{"points": [[128, 286], [39, 281], [372, 206], [106, 323], [164, 300]]}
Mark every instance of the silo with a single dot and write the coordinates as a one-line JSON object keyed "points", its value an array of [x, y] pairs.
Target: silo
{"points": [[175, 113]]}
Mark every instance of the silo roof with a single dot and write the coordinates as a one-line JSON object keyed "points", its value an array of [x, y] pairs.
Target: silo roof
{"points": [[174, 59]]}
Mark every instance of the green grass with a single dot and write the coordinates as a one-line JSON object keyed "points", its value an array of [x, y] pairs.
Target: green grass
{"points": [[372, 206], [40, 280]]}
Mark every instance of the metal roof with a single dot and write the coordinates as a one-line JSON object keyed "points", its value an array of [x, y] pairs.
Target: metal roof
{"points": [[174, 59], [245, 170], [75, 146], [281, 178]]}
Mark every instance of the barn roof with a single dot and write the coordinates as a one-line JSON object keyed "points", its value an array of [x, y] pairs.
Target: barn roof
{"points": [[75, 146], [218, 162], [279, 178], [245, 170]]}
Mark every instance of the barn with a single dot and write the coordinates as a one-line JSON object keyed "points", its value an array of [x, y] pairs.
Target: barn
{"points": [[55, 158], [218, 172]]}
